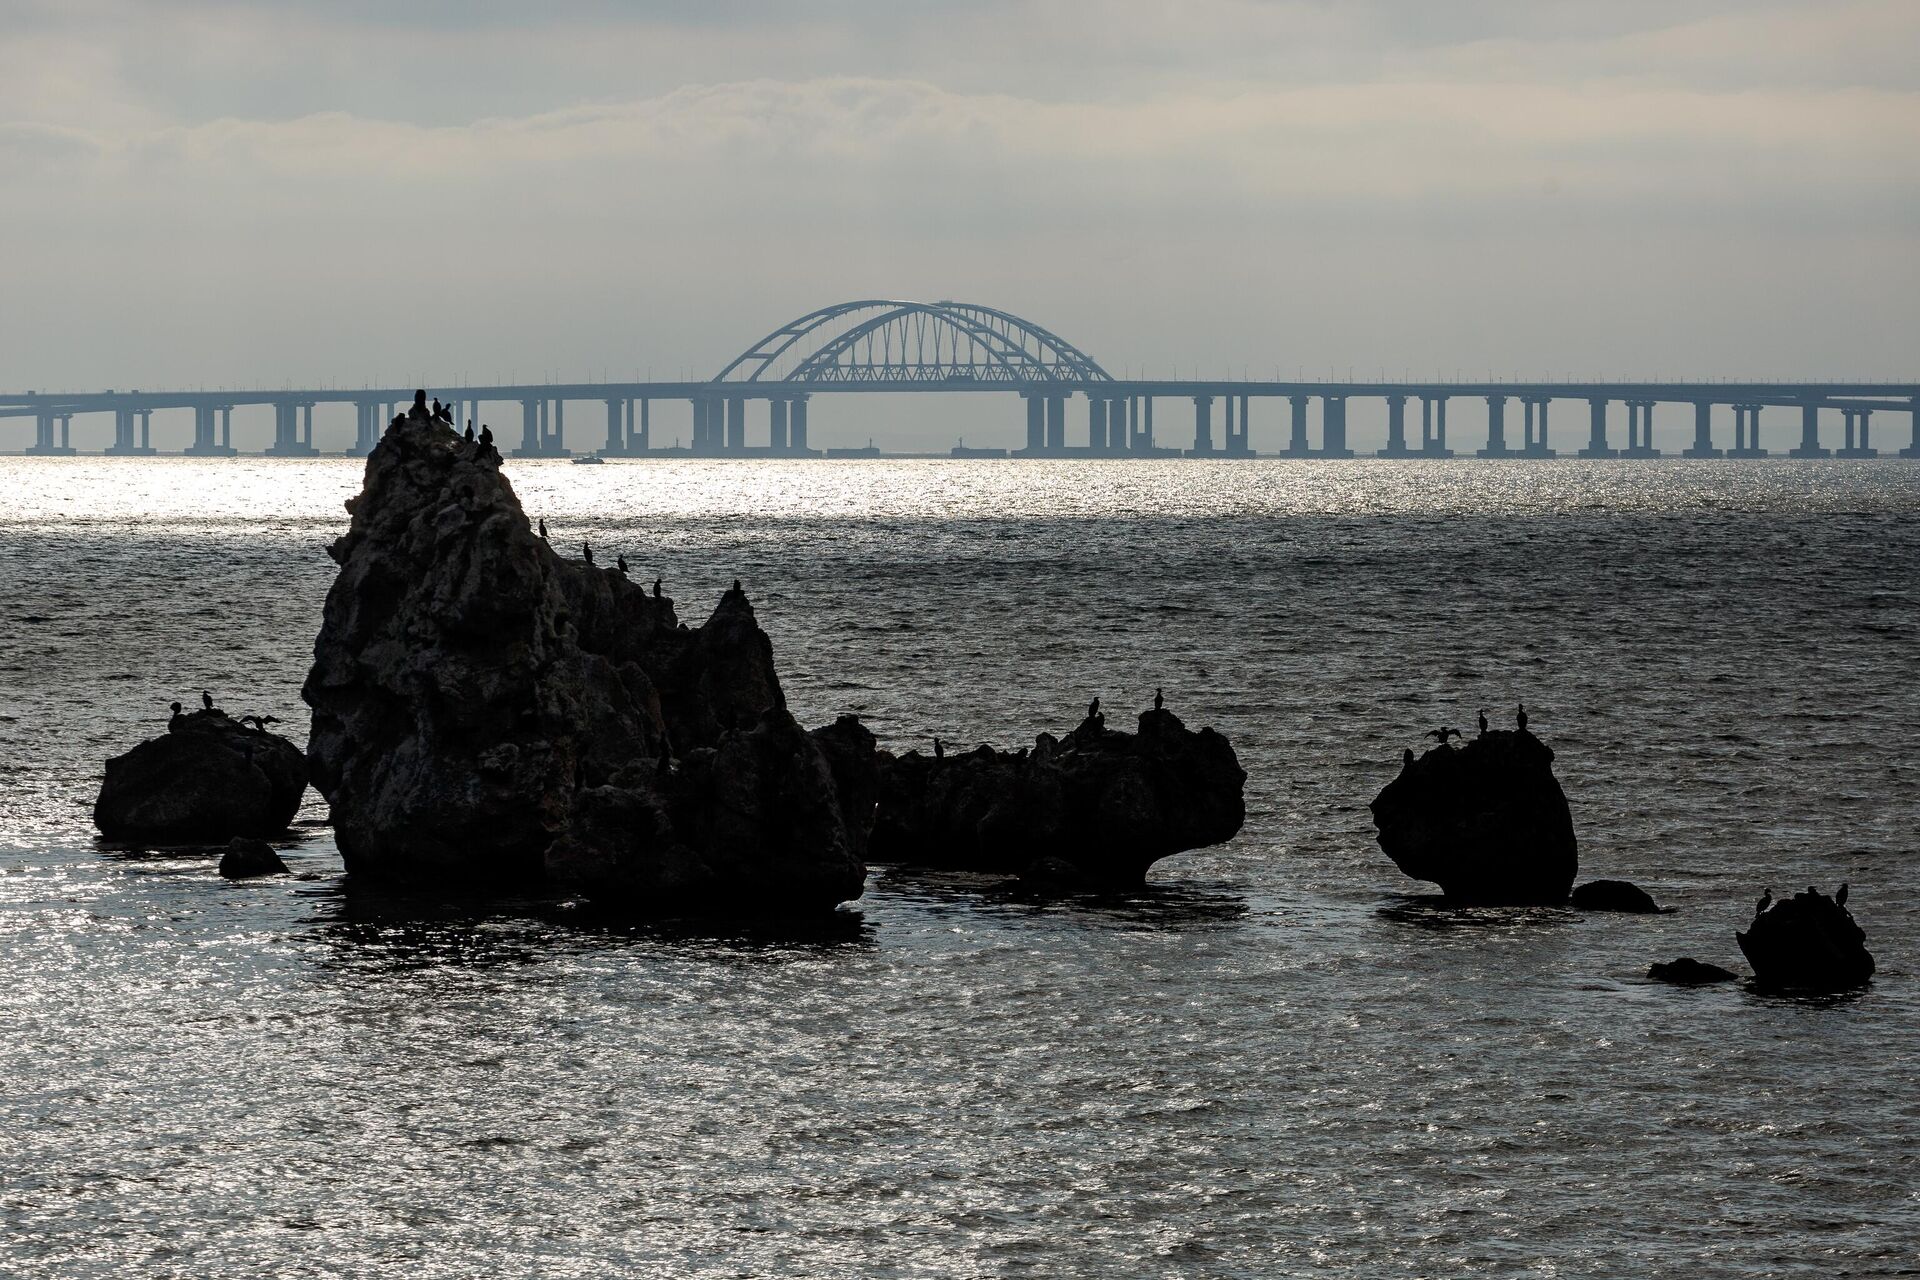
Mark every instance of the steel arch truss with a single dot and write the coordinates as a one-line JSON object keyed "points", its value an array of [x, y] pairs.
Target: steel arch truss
{"points": [[884, 342]]}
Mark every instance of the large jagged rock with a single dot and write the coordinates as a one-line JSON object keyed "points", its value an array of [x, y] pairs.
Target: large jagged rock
{"points": [[208, 779], [1486, 821], [1808, 942], [1098, 807], [490, 716]]}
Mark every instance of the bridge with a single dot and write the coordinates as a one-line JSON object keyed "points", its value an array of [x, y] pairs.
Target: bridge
{"points": [[892, 346]]}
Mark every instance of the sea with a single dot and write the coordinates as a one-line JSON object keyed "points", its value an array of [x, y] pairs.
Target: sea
{"points": [[1279, 1058]]}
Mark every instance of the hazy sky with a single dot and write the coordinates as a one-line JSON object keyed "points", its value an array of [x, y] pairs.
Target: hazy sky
{"points": [[289, 192]]}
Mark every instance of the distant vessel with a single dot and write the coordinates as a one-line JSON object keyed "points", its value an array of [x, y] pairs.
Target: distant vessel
{"points": [[588, 458]]}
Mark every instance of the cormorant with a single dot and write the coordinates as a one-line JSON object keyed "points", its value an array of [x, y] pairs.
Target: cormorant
{"points": [[656, 588], [1158, 701], [419, 409], [486, 434], [1093, 708], [586, 549], [736, 584], [439, 410], [1483, 720], [260, 722], [543, 531], [620, 564], [1840, 898], [206, 699], [1520, 716], [174, 721], [1766, 900], [939, 751], [1444, 732], [469, 436]]}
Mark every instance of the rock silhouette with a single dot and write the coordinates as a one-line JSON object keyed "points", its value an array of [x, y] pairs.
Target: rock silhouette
{"points": [[1807, 942], [1688, 972], [1614, 895], [1097, 808], [248, 858], [206, 780], [1486, 821], [489, 716]]}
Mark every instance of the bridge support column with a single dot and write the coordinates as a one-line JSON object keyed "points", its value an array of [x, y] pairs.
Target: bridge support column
{"points": [[1036, 421], [1746, 432], [1056, 423], [1297, 446], [226, 428], [1597, 431], [1433, 427], [1238, 437], [736, 425], [1397, 429], [1146, 424], [51, 438], [531, 414], [286, 431], [126, 443], [644, 440], [146, 430], [1333, 427], [777, 425], [1536, 428], [1202, 425], [797, 424], [1809, 431], [1640, 430], [206, 443], [1229, 432], [1913, 446], [1496, 428], [1858, 445], [1096, 424], [306, 426], [616, 427], [1702, 432]]}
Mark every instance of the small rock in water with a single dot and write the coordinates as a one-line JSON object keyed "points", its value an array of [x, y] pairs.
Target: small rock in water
{"points": [[246, 858], [207, 779], [1688, 972], [1614, 895], [1808, 942], [1095, 809], [1487, 822]]}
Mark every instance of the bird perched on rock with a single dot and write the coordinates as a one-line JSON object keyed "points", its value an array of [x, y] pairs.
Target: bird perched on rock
{"points": [[1766, 900], [1520, 716], [736, 584], [1444, 732], [206, 699], [1158, 700], [260, 723], [1093, 708], [543, 531], [177, 719], [1483, 720], [656, 588], [486, 435], [620, 565], [1840, 898], [586, 549], [419, 409], [469, 435], [939, 750]]}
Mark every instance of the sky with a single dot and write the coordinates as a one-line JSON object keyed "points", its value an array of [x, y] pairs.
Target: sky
{"points": [[288, 193]]}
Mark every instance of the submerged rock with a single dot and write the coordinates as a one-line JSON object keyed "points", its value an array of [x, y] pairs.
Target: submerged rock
{"points": [[1097, 808], [489, 716], [1688, 972], [207, 779], [247, 858], [1614, 895], [1808, 942], [1487, 821]]}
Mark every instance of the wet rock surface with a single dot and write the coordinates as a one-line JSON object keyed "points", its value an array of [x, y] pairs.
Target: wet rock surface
{"points": [[1688, 972], [491, 716], [1486, 821], [207, 779], [246, 859], [1808, 942], [1614, 895], [1094, 809]]}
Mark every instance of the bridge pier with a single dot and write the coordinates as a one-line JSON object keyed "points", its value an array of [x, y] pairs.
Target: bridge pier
{"points": [[50, 436], [1597, 446], [1746, 432], [1639, 430], [1858, 446], [1809, 446], [1496, 429], [1913, 448], [1702, 432], [286, 431], [1036, 421], [1096, 424], [642, 440], [1297, 443], [1146, 425], [797, 424], [1202, 426], [1433, 427], [736, 441], [1333, 428], [125, 441], [206, 443], [1535, 445], [1396, 429]]}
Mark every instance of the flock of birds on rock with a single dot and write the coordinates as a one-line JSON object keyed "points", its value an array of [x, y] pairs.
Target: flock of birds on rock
{"points": [[257, 723], [1446, 732], [437, 412], [1093, 711], [619, 562]]}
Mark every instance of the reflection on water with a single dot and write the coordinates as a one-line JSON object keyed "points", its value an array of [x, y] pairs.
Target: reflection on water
{"points": [[1280, 1057]]}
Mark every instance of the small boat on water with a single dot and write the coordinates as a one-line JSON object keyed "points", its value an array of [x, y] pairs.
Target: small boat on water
{"points": [[587, 458]]}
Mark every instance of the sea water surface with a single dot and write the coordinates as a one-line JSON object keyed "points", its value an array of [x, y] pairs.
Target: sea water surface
{"points": [[1281, 1058]]}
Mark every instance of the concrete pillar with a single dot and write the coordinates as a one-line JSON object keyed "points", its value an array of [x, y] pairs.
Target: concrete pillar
{"points": [[1036, 421], [644, 441], [1096, 424], [1203, 424], [66, 433], [226, 427], [736, 425], [1809, 432], [206, 443], [1297, 446], [559, 442], [1913, 445], [1130, 424], [1597, 431], [1242, 440], [1858, 443], [146, 430], [1333, 427], [1146, 424], [1702, 431], [1536, 428], [1496, 428], [616, 427], [1397, 429], [1229, 436], [1440, 426], [777, 425]]}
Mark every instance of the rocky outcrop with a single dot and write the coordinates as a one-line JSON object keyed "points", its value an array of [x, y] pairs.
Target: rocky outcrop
{"points": [[246, 859], [1486, 821], [489, 716], [1614, 895], [1688, 972], [1808, 942], [1097, 808], [208, 779]]}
